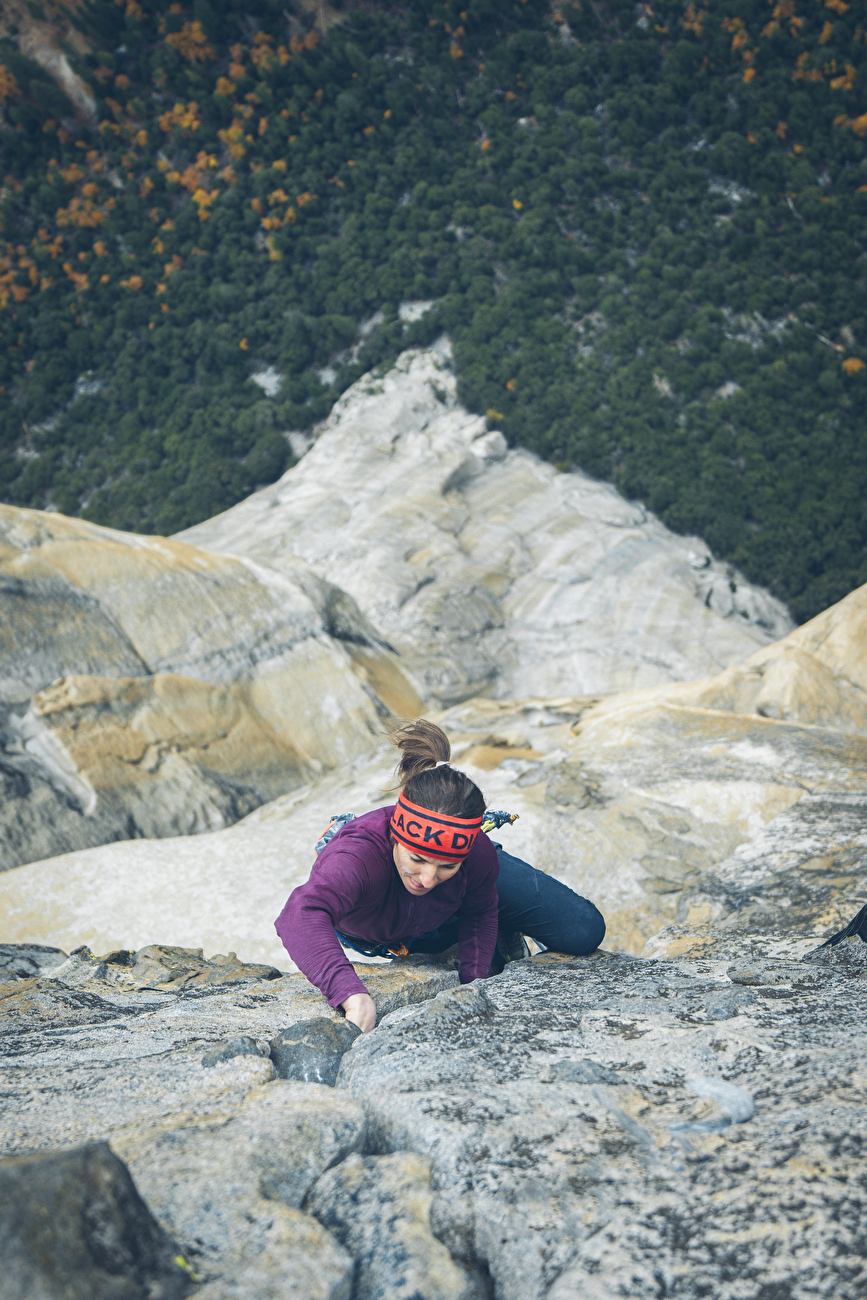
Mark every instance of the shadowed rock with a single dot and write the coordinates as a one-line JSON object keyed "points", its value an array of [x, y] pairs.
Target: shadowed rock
{"points": [[312, 1050], [73, 1227]]}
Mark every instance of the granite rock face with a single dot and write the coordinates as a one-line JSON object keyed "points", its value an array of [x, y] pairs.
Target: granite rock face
{"points": [[484, 567], [606, 1127], [672, 805], [72, 1224], [148, 689], [379, 1207], [223, 1156]]}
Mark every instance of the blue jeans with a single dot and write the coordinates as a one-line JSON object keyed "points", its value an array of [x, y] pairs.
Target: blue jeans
{"points": [[535, 905]]}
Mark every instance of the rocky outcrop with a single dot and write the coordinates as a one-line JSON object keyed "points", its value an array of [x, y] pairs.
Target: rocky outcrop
{"points": [[489, 570], [148, 689], [663, 806], [605, 1127], [817, 675], [73, 1224]]}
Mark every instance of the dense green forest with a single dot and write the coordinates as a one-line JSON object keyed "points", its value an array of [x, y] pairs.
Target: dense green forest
{"points": [[643, 226]]}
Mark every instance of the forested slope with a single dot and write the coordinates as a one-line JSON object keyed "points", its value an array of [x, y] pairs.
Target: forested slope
{"points": [[643, 226]]}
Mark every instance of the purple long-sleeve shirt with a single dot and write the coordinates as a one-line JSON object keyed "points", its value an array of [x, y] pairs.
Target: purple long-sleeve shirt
{"points": [[355, 887]]}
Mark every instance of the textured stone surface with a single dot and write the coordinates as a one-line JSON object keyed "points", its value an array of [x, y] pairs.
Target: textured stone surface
{"points": [[149, 689], [611, 1127], [74, 1227], [83, 1061], [223, 1156], [312, 1050], [551, 1105], [378, 1207], [485, 567]]}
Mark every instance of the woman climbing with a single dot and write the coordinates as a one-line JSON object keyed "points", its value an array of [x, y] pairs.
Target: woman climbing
{"points": [[420, 875]]}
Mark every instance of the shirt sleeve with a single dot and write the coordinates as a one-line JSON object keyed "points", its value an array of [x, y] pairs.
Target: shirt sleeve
{"points": [[307, 923], [477, 918]]}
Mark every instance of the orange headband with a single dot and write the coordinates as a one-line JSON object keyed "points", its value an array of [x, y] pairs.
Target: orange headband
{"points": [[436, 834]]}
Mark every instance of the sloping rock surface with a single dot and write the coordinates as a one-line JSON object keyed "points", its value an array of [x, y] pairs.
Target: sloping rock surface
{"points": [[664, 806], [605, 1127], [149, 689], [116, 1048], [486, 568]]}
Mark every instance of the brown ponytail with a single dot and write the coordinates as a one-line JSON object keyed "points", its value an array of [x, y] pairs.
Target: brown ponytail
{"points": [[439, 789]]}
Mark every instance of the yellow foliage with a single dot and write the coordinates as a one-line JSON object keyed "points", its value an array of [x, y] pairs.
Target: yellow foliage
{"points": [[191, 42], [77, 278], [183, 117], [237, 72], [81, 212], [274, 254], [90, 190], [145, 187], [827, 33], [837, 6], [263, 125], [852, 365], [224, 87], [306, 197], [455, 51], [278, 196], [517, 204], [256, 205], [244, 345], [859, 125], [369, 130], [8, 84], [141, 138], [782, 128], [846, 80], [100, 249], [122, 81], [279, 165], [72, 173], [693, 22], [749, 73], [134, 282]]}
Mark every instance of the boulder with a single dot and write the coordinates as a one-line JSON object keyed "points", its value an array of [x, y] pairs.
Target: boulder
{"points": [[486, 568], [148, 689], [74, 1227], [312, 1050]]}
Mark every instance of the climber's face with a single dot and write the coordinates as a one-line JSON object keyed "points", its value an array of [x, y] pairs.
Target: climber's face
{"points": [[420, 874]]}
